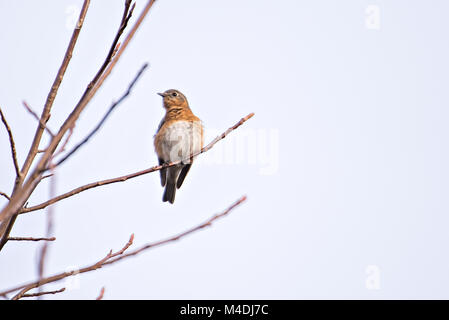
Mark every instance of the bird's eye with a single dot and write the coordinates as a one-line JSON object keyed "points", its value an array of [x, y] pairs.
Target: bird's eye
{"points": [[174, 94]]}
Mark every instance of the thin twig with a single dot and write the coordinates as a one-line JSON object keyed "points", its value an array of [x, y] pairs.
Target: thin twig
{"points": [[127, 14], [101, 295], [133, 175], [49, 231], [119, 255], [127, 40], [39, 294], [30, 239], [62, 148], [34, 114], [205, 224], [36, 284], [54, 88], [47, 176], [5, 195], [127, 245], [100, 124], [12, 145]]}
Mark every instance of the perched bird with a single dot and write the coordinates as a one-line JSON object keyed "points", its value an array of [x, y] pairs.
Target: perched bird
{"points": [[179, 136]]}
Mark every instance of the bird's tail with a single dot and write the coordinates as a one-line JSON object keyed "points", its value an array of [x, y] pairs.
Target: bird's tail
{"points": [[170, 192], [170, 187]]}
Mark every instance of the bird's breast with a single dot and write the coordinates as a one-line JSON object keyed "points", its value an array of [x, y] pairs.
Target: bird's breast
{"points": [[179, 140]]}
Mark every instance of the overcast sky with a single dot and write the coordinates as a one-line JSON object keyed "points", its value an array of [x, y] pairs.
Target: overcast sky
{"points": [[344, 163]]}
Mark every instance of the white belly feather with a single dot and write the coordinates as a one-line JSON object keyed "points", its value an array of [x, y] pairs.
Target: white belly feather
{"points": [[181, 140]]}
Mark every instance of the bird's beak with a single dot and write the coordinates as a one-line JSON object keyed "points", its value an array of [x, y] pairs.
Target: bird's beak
{"points": [[161, 94]]}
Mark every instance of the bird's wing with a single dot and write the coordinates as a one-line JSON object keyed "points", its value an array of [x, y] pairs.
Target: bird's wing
{"points": [[160, 124], [182, 175], [163, 173]]}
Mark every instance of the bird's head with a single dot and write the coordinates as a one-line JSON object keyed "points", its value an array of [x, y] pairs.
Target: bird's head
{"points": [[173, 98]]}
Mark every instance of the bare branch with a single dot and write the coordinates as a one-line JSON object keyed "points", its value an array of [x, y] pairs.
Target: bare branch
{"points": [[133, 175], [101, 295], [100, 124], [49, 231], [30, 239], [119, 255], [62, 148], [47, 176], [207, 223], [12, 145], [125, 43], [5, 195], [39, 294], [36, 284], [34, 114], [114, 257], [127, 14], [54, 89]]}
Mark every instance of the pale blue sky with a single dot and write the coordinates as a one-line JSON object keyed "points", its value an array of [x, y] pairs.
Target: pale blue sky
{"points": [[346, 166]]}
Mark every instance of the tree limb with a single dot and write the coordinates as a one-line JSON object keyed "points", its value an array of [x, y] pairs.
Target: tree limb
{"points": [[133, 175], [95, 266], [119, 255]]}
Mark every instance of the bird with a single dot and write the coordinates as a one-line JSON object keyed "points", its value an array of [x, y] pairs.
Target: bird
{"points": [[178, 137]]}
